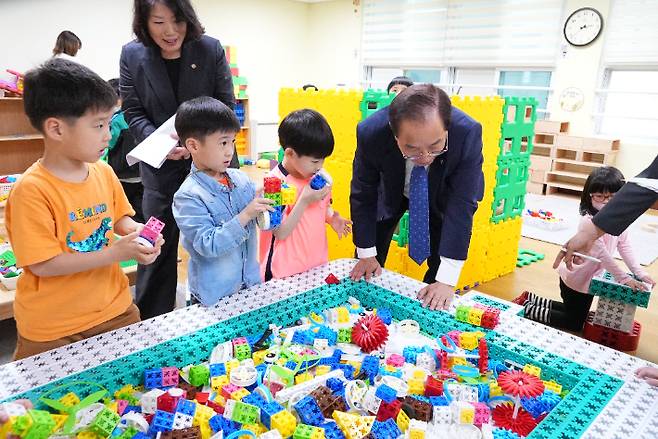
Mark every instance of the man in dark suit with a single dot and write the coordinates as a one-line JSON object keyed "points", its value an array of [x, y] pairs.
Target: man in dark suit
{"points": [[170, 62], [404, 159]]}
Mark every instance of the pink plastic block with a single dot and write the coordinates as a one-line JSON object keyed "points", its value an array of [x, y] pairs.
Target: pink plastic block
{"points": [[395, 360]]}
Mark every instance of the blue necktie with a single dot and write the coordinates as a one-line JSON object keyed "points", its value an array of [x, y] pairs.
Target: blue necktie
{"points": [[419, 216]]}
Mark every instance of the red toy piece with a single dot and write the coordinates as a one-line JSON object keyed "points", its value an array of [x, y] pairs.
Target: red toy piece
{"points": [[433, 387], [621, 341], [369, 333], [503, 417], [483, 352], [521, 384], [271, 185], [332, 280], [388, 410]]}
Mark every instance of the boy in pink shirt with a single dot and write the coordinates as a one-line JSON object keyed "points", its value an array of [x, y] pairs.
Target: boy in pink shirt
{"points": [[600, 187], [300, 242]]}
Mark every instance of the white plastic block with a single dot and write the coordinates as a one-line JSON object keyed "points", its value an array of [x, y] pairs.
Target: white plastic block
{"points": [[149, 401]]}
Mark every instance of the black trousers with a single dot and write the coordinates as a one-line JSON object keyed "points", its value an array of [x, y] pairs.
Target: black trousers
{"points": [[571, 313], [135, 193], [385, 231]]}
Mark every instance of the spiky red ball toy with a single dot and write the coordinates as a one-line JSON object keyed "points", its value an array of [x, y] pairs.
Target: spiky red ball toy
{"points": [[369, 333], [522, 424]]}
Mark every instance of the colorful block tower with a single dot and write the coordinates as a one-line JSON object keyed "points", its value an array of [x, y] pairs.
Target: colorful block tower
{"points": [[613, 323]]}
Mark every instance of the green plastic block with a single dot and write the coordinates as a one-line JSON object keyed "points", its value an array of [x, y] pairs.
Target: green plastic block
{"points": [[402, 236], [527, 257], [239, 80], [128, 433], [345, 335], [7, 259], [606, 286], [303, 431], [104, 422], [374, 100], [245, 413], [242, 352], [199, 375], [276, 197], [519, 117]]}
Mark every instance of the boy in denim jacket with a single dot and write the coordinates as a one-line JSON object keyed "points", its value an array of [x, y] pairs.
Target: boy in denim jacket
{"points": [[216, 206]]}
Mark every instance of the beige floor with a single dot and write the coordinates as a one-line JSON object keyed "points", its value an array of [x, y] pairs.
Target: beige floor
{"points": [[539, 278]]}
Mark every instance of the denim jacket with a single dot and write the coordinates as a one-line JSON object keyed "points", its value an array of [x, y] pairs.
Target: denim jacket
{"points": [[223, 254]]}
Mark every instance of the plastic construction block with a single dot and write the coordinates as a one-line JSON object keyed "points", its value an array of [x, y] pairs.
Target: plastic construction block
{"points": [[527, 257], [217, 369], [622, 341], [271, 185], [374, 100], [170, 376], [387, 429], [104, 422], [519, 117], [309, 411], [332, 431], [199, 375], [285, 422], [152, 378], [185, 433], [303, 431], [605, 286], [615, 315]]}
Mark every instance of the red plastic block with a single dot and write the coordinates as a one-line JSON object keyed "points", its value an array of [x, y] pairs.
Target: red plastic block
{"points": [[332, 280], [388, 410], [612, 338], [433, 387], [271, 185]]}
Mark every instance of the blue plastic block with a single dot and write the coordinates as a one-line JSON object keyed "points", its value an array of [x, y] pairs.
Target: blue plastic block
{"points": [[410, 353], [255, 399], [152, 378], [305, 337], [216, 423], [335, 384], [162, 421], [439, 401], [501, 433], [385, 393], [186, 407], [270, 409], [318, 182], [217, 369], [328, 334], [385, 315], [370, 366], [348, 370], [133, 408], [309, 411], [332, 431], [385, 430]]}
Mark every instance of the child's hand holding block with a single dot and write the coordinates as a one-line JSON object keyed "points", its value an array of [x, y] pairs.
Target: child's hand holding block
{"points": [[149, 234]]}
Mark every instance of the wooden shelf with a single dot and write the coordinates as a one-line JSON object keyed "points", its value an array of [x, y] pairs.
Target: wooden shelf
{"points": [[579, 162], [17, 137], [569, 174], [560, 185]]}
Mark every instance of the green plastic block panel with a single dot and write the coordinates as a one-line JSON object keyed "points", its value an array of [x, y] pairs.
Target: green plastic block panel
{"points": [[374, 100], [402, 237], [519, 117], [605, 286], [527, 257]]}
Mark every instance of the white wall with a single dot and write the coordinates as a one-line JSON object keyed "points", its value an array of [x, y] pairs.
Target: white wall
{"points": [[582, 68], [334, 43], [271, 37]]}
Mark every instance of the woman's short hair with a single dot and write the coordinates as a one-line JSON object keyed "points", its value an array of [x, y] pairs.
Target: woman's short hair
{"points": [[68, 43]]}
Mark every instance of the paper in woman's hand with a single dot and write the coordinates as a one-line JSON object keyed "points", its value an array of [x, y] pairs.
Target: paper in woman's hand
{"points": [[155, 148]]}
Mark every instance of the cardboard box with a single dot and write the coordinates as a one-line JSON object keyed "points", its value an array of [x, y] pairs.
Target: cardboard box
{"points": [[572, 142], [551, 126], [540, 163], [534, 188], [537, 176]]}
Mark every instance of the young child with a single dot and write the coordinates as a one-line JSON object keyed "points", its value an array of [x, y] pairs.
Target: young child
{"points": [[216, 206], [121, 143], [571, 313], [300, 242], [62, 214]]}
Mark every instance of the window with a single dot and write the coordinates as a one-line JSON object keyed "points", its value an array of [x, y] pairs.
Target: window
{"points": [[539, 80], [628, 102]]}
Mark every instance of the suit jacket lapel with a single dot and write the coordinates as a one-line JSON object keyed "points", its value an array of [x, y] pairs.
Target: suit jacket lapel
{"points": [[156, 73]]}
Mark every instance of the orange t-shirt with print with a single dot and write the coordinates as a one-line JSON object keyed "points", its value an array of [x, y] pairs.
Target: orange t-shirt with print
{"points": [[47, 216]]}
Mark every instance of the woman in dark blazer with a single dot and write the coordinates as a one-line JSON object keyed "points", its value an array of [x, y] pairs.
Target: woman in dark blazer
{"points": [[171, 61]]}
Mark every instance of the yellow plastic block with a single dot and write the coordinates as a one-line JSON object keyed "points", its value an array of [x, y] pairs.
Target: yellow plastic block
{"points": [[7, 427], [532, 370], [494, 389], [322, 370], [257, 429], [216, 383], [202, 415], [457, 361], [553, 386], [88, 435], [230, 365], [288, 196], [70, 399], [239, 394], [303, 377], [258, 357], [403, 421], [206, 431], [416, 386], [466, 415], [475, 317], [285, 422], [468, 340], [343, 315]]}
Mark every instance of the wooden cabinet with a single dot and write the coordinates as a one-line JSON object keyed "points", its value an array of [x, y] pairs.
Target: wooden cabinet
{"points": [[20, 144]]}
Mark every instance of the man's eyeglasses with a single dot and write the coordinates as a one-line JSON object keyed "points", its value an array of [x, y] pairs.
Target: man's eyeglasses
{"points": [[429, 153]]}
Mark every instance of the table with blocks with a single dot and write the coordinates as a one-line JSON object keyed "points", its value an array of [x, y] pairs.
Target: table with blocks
{"points": [[604, 399]]}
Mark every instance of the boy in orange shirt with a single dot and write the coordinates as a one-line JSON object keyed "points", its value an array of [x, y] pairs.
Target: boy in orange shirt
{"points": [[62, 214]]}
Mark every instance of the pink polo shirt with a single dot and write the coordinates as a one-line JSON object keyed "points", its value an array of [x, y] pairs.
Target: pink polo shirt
{"points": [[306, 246], [604, 249]]}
